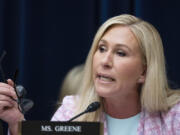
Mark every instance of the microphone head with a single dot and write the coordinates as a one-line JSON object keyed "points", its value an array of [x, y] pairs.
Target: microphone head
{"points": [[93, 107]]}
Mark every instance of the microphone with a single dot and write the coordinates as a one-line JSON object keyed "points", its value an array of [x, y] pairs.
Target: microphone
{"points": [[91, 108]]}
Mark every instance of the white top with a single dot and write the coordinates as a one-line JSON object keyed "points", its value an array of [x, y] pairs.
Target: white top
{"points": [[126, 126]]}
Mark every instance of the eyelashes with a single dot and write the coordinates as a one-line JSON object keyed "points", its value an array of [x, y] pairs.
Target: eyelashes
{"points": [[121, 53], [102, 48]]}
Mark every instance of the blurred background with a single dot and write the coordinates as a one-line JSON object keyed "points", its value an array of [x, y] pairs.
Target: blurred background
{"points": [[44, 39]]}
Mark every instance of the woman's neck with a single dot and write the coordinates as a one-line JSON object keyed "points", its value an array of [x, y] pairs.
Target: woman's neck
{"points": [[122, 107]]}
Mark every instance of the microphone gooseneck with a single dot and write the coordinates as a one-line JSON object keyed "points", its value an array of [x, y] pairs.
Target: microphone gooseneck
{"points": [[91, 108]]}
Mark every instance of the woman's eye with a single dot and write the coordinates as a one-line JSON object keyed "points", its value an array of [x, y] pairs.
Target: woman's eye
{"points": [[101, 48], [121, 53]]}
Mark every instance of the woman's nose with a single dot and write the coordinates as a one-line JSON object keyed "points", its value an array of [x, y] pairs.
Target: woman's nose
{"points": [[107, 60]]}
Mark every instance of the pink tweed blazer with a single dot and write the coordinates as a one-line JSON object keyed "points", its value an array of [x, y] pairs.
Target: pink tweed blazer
{"points": [[150, 124]]}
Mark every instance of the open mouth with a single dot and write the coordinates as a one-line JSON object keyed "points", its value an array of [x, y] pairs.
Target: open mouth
{"points": [[105, 78]]}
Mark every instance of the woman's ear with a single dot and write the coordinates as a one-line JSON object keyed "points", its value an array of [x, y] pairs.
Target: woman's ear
{"points": [[142, 77]]}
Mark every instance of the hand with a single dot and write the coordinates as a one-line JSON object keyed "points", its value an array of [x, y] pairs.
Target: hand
{"points": [[9, 111]]}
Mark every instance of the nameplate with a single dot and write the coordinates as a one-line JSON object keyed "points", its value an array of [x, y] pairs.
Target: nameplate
{"points": [[60, 128]]}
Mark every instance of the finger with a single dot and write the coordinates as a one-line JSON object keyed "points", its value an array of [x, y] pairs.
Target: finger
{"points": [[4, 85], [5, 105], [8, 91], [10, 82], [7, 99]]}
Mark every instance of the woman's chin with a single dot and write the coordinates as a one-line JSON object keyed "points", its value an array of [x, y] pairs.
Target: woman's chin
{"points": [[104, 93]]}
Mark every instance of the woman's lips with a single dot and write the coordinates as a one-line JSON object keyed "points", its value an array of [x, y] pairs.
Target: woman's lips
{"points": [[105, 78]]}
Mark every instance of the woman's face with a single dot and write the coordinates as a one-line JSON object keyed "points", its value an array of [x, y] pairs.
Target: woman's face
{"points": [[117, 63]]}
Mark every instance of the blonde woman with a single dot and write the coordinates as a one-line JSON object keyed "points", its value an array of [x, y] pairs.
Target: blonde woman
{"points": [[125, 72]]}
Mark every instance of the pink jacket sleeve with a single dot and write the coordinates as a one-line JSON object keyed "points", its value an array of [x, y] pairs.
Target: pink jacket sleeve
{"points": [[66, 110]]}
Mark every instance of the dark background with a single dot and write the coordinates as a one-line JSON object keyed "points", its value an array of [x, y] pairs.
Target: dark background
{"points": [[44, 39]]}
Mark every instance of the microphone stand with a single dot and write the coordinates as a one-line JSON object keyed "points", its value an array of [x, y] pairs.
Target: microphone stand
{"points": [[77, 116], [91, 108]]}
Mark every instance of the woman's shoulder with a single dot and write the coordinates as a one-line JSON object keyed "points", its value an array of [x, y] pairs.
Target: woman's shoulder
{"points": [[166, 122], [66, 110], [172, 119], [174, 109], [69, 100], [172, 115]]}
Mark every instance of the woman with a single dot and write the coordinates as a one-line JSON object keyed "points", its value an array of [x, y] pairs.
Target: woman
{"points": [[125, 72]]}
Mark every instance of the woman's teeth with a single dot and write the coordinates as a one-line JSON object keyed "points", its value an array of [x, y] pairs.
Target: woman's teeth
{"points": [[105, 78]]}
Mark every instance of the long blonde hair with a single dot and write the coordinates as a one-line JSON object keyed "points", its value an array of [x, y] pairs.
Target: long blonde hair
{"points": [[155, 93]]}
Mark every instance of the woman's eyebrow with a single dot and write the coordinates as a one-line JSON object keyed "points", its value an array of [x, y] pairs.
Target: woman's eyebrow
{"points": [[102, 40], [124, 46]]}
